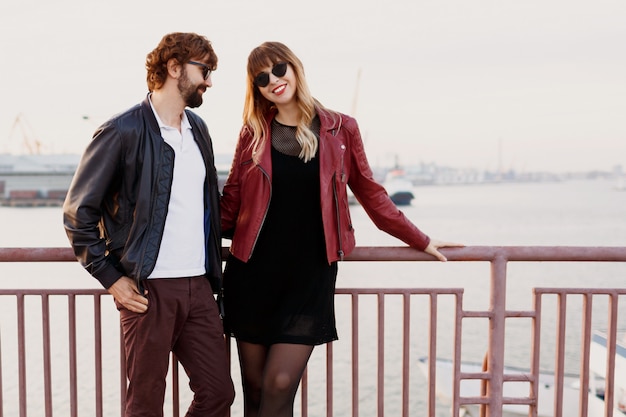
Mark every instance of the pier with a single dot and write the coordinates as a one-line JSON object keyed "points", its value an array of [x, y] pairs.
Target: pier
{"points": [[409, 321]]}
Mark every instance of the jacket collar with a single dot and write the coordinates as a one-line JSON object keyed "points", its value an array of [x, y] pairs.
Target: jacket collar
{"points": [[329, 121], [148, 115]]}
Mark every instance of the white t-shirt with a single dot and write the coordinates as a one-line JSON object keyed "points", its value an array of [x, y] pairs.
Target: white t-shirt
{"points": [[182, 248]]}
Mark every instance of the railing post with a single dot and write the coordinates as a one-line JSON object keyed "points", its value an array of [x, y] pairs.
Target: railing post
{"points": [[559, 360], [496, 335], [355, 354], [611, 341], [21, 346], [380, 388], [123, 379], [406, 346], [47, 363], [585, 352], [536, 344], [97, 311], [432, 361], [73, 352], [1, 402]]}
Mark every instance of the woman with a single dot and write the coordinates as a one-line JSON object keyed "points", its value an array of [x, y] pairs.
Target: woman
{"points": [[286, 207]]}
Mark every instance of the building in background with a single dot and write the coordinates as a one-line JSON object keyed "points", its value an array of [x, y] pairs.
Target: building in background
{"points": [[34, 179]]}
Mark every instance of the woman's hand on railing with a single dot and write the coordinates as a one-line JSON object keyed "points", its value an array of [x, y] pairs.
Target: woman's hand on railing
{"points": [[434, 245]]}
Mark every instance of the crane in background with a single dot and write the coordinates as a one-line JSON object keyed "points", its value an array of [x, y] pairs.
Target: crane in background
{"points": [[29, 141]]}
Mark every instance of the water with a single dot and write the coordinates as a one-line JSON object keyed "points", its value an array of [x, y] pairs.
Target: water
{"points": [[571, 213]]}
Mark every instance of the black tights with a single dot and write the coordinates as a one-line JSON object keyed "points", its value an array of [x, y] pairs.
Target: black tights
{"points": [[270, 376]]}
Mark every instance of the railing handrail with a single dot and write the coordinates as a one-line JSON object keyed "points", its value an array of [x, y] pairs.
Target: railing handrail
{"points": [[392, 253]]}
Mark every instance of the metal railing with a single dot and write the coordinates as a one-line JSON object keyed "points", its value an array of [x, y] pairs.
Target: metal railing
{"points": [[373, 390]]}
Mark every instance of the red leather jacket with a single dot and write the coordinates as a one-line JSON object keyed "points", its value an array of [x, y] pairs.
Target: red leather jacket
{"points": [[248, 190]]}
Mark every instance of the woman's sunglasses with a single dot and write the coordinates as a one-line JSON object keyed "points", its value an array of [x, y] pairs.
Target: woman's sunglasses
{"points": [[263, 79]]}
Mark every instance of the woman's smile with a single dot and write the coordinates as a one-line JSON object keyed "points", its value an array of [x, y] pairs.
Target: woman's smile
{"points": [[280, 89]]}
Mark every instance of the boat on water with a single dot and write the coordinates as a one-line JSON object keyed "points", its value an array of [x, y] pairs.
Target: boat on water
{"points": [[399, 187], [516, 389]]}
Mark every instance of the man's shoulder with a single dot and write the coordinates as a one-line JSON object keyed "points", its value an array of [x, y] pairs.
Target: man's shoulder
{"points": [[132, 117], [130, 112], [129, 125]]}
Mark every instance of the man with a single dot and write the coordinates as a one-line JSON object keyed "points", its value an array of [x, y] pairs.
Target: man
{"points": [[142, 215]]}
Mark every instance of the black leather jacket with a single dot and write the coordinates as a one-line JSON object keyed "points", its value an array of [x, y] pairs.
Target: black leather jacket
{"points": [[115, 209]]}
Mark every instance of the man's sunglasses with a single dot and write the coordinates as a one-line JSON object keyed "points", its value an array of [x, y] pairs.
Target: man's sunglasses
{"points": [[206, 71], [263, 79]]}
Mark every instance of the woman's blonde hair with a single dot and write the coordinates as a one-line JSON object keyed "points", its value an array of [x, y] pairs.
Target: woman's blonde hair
{"points": [[257, 107]]}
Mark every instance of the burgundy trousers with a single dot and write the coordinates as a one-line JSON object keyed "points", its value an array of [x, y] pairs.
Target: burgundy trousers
{"points": [[183, 318]]}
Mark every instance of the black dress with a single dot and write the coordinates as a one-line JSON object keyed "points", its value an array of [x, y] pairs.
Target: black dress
{"points": [[285, 292]]}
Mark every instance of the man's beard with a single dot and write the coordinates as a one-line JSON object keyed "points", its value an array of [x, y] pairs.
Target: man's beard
{"points": [[189, 92]]}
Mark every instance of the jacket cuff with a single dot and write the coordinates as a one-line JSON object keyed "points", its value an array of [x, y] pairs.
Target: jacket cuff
{"points": [[108, 276]]}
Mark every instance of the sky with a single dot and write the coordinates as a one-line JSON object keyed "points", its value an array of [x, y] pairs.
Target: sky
{"points": [[528, 85]]}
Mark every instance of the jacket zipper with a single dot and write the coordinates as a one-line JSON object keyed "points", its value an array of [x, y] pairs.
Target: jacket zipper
{"points": [[336, 194], [337, 211], [153, 197], [264, 214]]}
